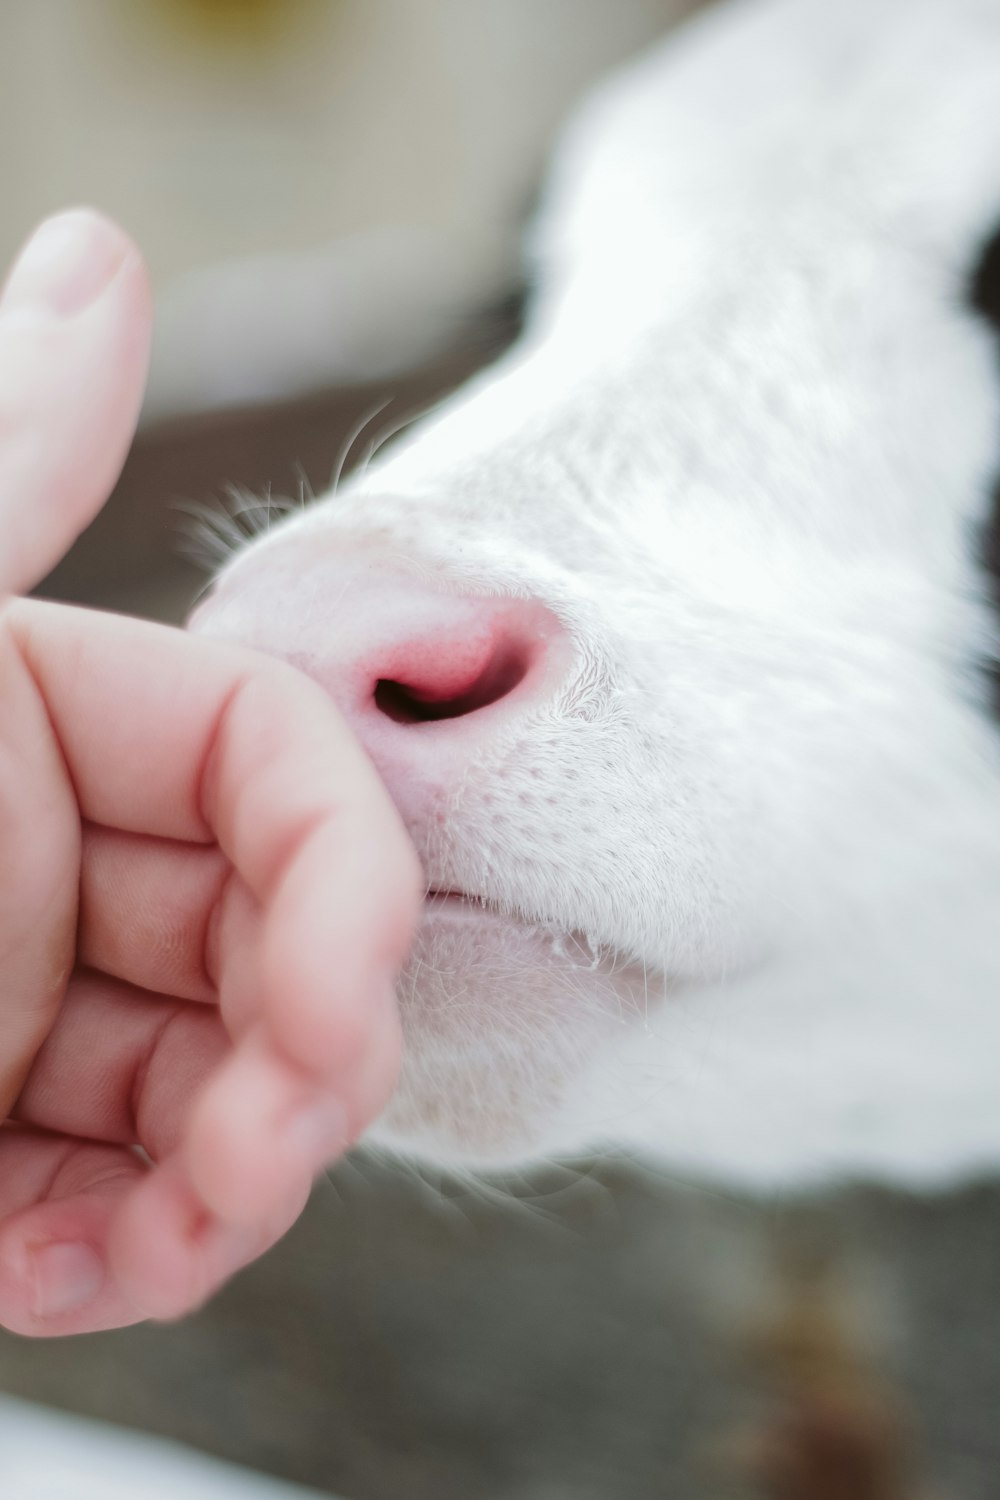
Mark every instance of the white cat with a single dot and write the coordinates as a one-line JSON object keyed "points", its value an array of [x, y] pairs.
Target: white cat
{"points": [[668, 633]]}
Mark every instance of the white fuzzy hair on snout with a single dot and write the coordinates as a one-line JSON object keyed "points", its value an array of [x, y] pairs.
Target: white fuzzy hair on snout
{"points": [[736, 881]]}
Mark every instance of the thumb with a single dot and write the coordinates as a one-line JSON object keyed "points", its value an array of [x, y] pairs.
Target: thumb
{"points": [[75, 323]]}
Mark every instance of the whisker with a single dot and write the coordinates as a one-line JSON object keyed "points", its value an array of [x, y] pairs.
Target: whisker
{"points": [[391, 430], [307, 494], [352, 437], [213, 531]]}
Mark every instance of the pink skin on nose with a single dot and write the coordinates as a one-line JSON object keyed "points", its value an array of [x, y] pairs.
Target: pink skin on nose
{"points": [[428, 679]]}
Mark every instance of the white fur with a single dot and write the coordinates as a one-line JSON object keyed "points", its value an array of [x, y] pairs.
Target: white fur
{"points": [[741, 453]]}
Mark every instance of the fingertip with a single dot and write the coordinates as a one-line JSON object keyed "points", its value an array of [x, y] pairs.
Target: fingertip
{"points": [[70, 260], [75, 336]]}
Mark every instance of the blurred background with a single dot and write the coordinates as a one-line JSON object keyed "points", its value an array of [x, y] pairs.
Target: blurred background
{"points": [[281, 160], [330, 195]]}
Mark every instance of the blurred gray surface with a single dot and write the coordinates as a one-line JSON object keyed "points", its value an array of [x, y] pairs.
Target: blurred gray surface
{"points": [[586, 1339]]}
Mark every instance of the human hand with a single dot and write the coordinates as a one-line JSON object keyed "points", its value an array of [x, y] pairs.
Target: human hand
{"points": [[205, 891]]}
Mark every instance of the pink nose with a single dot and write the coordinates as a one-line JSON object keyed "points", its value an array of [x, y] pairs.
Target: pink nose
{"points": [[429, 679]]}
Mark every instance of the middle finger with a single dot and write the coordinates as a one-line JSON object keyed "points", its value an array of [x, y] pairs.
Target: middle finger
{"points": [[169, 917]]}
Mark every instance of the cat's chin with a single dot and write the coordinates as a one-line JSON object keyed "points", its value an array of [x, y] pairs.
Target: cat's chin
{"points": [[500, 1020]]}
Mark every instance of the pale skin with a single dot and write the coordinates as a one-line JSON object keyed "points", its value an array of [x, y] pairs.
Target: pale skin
{"points": [[205, 892]]}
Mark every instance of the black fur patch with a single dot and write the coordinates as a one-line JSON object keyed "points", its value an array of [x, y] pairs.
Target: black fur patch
{"points": [[984, 295]]}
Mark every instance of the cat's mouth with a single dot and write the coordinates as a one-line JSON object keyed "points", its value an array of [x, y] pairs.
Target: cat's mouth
{"points": [[461, 902], [457, 903], [497, 923], [502, 1013], [461, 908]]}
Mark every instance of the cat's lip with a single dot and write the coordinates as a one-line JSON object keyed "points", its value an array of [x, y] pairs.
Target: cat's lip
{"points": [[454, 903], [548, 944], [455, 898], [461, 906]]}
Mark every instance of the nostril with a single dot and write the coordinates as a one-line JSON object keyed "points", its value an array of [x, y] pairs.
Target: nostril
{"points": [[417, 702], [394, 652]]}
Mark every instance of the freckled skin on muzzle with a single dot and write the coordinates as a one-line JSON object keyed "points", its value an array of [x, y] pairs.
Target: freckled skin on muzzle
{"points": [[663, 633]]}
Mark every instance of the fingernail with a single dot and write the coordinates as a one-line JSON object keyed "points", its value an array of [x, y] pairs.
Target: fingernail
{"points": [[318, 1130], [64, 1277], [66, 265]]}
